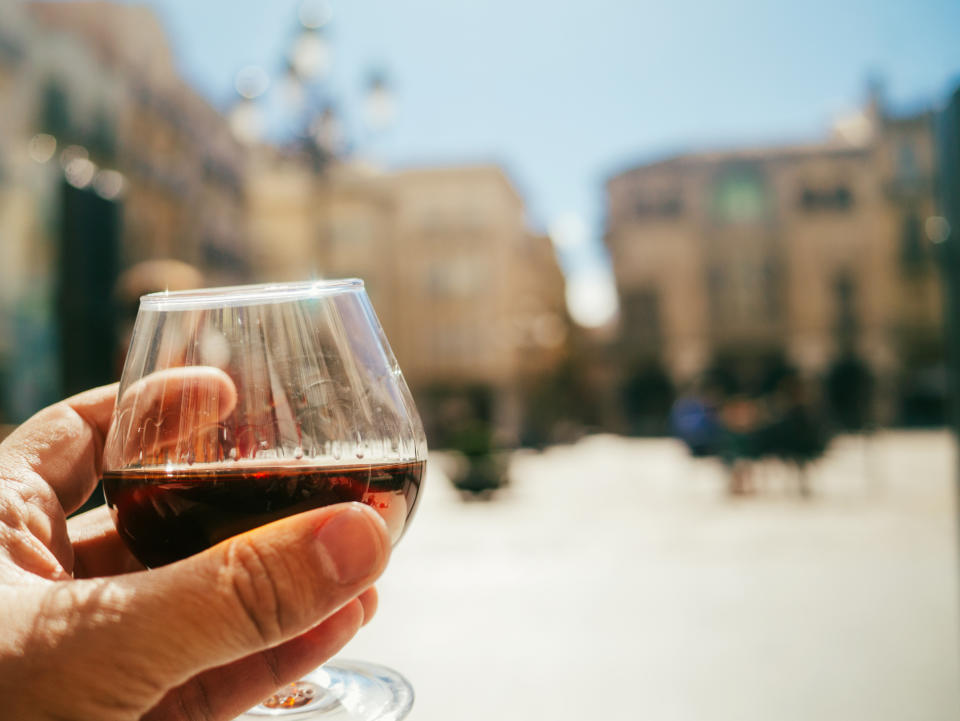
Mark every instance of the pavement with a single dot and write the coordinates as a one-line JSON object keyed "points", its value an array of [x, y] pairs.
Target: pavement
{"points": [[614, 579]]}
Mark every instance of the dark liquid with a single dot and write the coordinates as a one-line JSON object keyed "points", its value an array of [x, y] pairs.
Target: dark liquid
{"points": [[165, 516]]}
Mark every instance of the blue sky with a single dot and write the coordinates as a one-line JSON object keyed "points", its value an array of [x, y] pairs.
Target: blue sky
{"points": [[565, 93]]}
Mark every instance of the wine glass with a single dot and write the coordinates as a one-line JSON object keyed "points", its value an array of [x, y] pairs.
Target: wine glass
{"points": [[238, 406]]}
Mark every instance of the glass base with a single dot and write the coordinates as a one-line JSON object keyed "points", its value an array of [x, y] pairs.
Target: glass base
{"points": [[337, 691]]}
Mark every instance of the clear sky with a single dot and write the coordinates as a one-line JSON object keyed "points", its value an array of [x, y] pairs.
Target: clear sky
{"points": [[565, 93]]}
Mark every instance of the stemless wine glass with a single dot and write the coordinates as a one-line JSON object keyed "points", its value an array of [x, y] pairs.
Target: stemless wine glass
{"points": [[238, 406]]}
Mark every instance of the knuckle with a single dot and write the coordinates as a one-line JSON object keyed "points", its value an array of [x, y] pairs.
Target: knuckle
{"points": [[254, 589], [263, 589], [193, 702], [271, 663]]}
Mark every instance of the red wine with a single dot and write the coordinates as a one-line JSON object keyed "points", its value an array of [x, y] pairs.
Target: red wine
{"points": [[164, 516]]}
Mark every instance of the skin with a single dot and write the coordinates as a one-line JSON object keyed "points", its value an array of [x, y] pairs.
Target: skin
{"points": [[87, 633]]}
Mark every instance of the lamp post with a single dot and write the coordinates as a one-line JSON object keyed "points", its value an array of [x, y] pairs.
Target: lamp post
{"points": [[309, 104]]}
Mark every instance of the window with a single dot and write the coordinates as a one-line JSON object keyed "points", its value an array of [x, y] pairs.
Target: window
{"points": [[740, 197], [716, 280], [907, 169], [438, 280], [912, 251], [11, 47], [846, 318], [772, 292], [349, 234], [641, 319], [668, 206], [744, 290], [837, 198]]}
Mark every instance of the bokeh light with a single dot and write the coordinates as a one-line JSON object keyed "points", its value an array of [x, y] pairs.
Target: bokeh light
{"points": [[246, 122], [251, 81], [79, 172], [937, 228], [109, 184], [591, 298], [314, 14], [310, 56], [71, 153], [42, 147]]}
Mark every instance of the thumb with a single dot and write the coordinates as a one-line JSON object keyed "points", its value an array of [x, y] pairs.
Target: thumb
{"points": [[250, 592]]}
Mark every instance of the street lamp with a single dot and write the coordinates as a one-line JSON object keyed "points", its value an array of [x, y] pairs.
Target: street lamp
{"points": [[379, 104], [309, 56], [308, 103], [245, 118], [314, 14]]}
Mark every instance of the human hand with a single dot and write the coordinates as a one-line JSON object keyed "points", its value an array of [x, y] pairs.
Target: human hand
{"points": [[88, 634]]}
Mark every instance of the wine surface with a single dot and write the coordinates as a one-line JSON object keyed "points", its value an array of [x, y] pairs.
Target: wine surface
{"points": [[164, 516]]}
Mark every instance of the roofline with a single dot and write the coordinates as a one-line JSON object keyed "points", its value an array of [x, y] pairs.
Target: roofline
{"points": [[424, 170], [774, 153], [768, 154]]}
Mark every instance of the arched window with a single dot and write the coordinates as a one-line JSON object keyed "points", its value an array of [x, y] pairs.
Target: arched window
{"points": [[740, 196]]}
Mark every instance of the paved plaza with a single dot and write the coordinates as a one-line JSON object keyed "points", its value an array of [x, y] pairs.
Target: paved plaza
{"points": [[615, 580]]}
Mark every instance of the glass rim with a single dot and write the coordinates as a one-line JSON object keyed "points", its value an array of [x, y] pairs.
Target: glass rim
{"points": [[241, 295]]}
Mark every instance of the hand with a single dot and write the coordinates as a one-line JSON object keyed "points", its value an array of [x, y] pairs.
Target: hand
{"points": [[88, 634]]}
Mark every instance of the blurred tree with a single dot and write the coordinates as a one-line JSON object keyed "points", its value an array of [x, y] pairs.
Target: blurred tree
{"points": [[560, 406], [648, 394], [102, 138], [55, 111], [88, 269], [849, 387]]}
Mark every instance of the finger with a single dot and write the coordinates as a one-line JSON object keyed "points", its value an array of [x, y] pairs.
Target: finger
{"points": [[371, 601], [63, 446], [250, 593], [97, 548], [176, 408], [60, 448], [227, 691]]}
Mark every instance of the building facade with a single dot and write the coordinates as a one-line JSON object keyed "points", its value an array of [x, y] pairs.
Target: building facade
{"points": [[183, 167], [810, 257], [108, 159], [471, 300]]}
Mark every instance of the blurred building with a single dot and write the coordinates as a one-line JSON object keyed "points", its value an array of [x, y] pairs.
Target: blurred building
{"points": [[471, 300], [107, 158], [183, 196], [814, 257]]}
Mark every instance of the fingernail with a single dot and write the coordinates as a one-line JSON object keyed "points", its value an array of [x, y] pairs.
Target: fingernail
{"points": [[351, 543]]}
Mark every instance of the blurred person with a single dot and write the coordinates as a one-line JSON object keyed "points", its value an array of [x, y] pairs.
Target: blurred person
{"points": [[740, 419], [796, 432], [89, 634], [693, 420]]}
